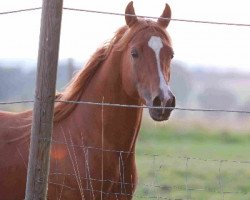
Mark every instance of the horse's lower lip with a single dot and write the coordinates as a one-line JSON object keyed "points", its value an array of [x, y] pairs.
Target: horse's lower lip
{"points": [[159, 114]]}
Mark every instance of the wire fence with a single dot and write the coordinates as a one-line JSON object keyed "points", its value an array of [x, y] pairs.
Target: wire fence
{"points": [[134, 106], [155, 182], [157, 186], [142, 16]]}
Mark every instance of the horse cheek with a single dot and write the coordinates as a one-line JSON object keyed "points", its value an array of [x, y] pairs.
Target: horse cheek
{"points": [[129, 79]]}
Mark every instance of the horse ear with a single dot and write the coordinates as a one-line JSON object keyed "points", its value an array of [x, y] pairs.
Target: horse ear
{"points": [[166, 14], [130, 20]]}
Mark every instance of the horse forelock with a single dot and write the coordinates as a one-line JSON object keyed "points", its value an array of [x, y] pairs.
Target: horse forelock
{"points": [[78, 84], [139, 27]]}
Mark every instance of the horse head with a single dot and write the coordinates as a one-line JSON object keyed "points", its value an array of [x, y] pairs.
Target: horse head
{"points": [[146, 62]]}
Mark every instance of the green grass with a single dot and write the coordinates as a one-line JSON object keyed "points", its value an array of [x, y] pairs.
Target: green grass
{"points": [[209, 172]]}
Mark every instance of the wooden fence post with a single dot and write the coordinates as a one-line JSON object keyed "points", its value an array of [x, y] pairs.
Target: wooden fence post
{"points": [[42, 124]]}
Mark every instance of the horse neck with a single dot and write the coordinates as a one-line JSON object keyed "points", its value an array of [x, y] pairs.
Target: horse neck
{"points": [[118, 126]]}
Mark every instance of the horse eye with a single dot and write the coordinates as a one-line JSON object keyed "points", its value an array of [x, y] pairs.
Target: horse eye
{"points": [[134, 53]]}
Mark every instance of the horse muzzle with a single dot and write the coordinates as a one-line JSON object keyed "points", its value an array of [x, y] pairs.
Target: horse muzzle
{"points": [[162, 107]]}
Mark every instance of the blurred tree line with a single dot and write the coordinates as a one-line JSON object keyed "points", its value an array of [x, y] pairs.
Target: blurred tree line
{"points": [[15, 84], [19, 84], [210, 89], [192, 87]]}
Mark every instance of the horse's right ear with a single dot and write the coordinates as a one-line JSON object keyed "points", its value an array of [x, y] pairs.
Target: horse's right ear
{"points": [[130, 14]]}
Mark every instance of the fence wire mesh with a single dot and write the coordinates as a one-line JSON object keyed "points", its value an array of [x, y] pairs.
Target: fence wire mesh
{"points": [[155, 180]]}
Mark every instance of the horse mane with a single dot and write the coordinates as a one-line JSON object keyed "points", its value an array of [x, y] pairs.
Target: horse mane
{"points": [[78, 84]]}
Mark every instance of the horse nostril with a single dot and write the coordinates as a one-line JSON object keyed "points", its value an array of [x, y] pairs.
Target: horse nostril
{"points": [[171, 102], [157, 101]]}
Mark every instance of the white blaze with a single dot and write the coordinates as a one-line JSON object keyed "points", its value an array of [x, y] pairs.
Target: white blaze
{"points": [[155, 43]]}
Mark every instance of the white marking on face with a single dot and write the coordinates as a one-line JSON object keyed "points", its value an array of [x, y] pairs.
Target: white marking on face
{"points": [[155, 43]]}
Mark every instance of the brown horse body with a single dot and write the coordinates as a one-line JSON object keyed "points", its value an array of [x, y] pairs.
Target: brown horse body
{"points": [[92, 153]]}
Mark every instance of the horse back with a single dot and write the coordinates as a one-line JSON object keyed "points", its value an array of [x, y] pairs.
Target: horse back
{"points": [[13, 126]]}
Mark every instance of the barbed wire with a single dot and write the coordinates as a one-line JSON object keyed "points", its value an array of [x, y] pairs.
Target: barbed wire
{"points": [[142, 16], [153, 17], [20, 10], [154, 107], [16, 102], [134, 106]]}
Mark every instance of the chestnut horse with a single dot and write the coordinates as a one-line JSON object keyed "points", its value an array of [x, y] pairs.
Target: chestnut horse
{"points": [[92, 152]]}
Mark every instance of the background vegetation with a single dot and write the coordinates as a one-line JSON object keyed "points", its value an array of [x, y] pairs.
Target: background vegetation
{"points": [[195, 87]]}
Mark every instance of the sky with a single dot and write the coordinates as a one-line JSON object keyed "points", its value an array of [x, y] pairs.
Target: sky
{"points": [[222, 47]]}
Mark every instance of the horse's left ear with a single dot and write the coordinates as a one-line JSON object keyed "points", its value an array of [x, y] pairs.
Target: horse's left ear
{"points": [[130, 20], [166, 14]]}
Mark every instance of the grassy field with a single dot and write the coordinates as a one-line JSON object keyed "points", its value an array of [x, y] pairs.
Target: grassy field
{"points": [[193, 162]]}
